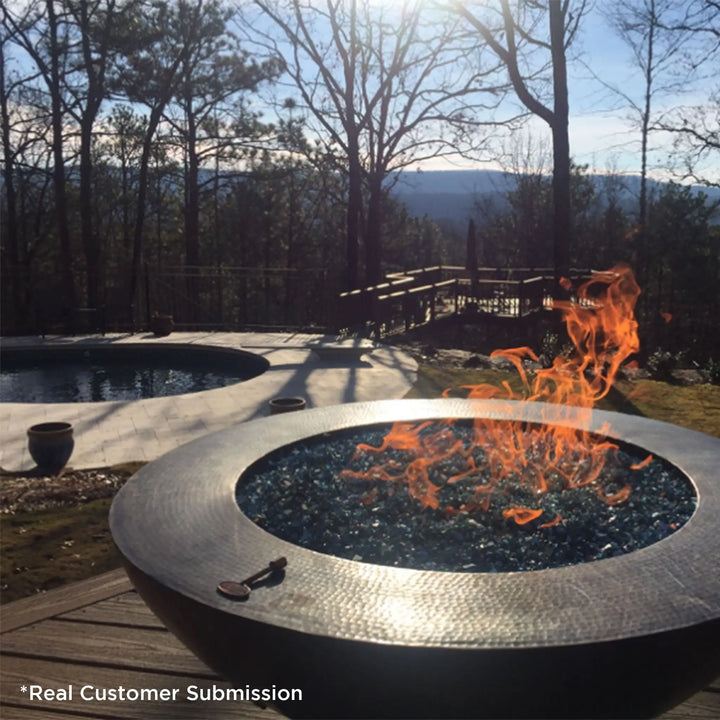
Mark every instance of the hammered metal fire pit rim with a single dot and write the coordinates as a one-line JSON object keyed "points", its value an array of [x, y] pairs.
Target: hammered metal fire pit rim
{"points": [[665, 586]]}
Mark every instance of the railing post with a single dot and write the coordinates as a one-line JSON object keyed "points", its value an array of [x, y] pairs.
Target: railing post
{"points": [[406, 310]]}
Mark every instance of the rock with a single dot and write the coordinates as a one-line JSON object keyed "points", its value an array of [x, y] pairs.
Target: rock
{"points": [[633, 373], [501, 363], [476, 361], [688, 376]]}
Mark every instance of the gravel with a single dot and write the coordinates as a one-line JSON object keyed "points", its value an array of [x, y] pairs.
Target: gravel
{"points": [[299, 494], [31, 492]]}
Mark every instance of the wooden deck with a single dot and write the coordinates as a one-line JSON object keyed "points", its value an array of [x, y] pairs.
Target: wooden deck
{"points": [[99, 632]]}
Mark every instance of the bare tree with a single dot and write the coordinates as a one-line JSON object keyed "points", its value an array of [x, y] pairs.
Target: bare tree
{"points": [[382, 87], [517, 33], [42, 33], [94, 27], [9, 157], [25, 155], [697, 140], [696, 127], [122, 145], [701, 19], [148, 73], [656, 53], [213, 78]]}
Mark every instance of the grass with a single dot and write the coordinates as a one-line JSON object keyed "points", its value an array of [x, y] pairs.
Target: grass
{"points": [[69, 541], [432, 380], [696, 407], [42, 550], [46, 549]]}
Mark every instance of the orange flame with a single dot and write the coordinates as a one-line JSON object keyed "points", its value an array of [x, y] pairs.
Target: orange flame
{"points": [[644, 463], [555, 521], [522, 515], [600, 322]]}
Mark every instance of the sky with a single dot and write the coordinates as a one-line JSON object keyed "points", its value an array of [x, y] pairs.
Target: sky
{"points": [[603, 132]]}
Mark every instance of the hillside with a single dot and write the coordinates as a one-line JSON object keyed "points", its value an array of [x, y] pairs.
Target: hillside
{"points": [[449, 196]]}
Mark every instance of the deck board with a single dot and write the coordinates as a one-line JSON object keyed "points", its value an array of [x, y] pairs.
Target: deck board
{"points": [[141, 648], [703, 706], [63, 599], [10, 712], [125, 610], [100, 632], [48, 674]]}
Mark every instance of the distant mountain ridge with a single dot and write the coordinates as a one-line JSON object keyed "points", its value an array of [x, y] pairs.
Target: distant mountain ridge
{"points": [[449, 196]]}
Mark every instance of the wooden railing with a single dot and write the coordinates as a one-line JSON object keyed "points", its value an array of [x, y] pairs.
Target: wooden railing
{"points": [[505, 298], [404, 309], [418, 297]]}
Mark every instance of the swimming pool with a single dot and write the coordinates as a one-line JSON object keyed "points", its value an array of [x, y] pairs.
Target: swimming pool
{"points": [[125, 371]]}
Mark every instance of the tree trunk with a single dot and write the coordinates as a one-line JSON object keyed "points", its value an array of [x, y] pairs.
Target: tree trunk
{"points": [[11, 232], [642, 255], [95, 92], [59, 184], [561, 146], [89, 240], [126, 200], [471, 257], [192, 219], [373, 260], [292, 314], [354, 209], [137, 249]]}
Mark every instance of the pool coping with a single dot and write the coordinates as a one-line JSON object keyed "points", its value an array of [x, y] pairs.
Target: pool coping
{"points": [[322, 369]]}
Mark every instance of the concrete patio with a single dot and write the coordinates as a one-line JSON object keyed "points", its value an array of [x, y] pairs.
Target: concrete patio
{"points": [[319, 368]]}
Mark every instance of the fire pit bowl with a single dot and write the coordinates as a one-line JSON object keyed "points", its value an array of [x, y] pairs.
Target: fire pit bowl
{"points": [[628, 636]]}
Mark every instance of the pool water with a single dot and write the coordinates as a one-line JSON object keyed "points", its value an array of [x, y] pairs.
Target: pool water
{"points": [[128, 372]]}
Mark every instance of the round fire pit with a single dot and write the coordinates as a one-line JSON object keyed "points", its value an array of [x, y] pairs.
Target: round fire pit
{"points": [[627, 636]]}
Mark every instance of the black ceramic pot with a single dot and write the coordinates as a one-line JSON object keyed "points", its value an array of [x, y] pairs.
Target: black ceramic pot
{"points": [[50, 445], [162, 325], [286, 404]]}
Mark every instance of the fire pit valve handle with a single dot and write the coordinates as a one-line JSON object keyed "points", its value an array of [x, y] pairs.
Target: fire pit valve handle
{"points": [[241, 590]]}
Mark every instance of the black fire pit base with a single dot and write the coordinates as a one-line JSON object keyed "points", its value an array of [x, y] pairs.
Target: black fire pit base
{"points": [[637, 678], [629, 636]]}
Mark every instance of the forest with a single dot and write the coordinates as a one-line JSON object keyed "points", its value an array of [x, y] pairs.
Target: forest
{"points": [[233, 163]]}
